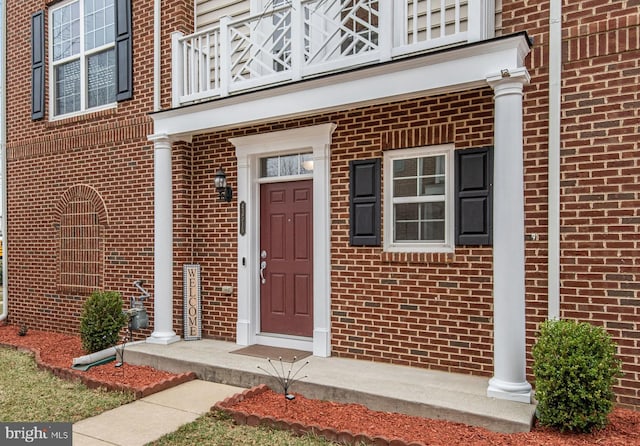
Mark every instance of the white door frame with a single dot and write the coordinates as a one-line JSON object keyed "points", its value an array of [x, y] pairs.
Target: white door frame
{"points": [[249, 151]]}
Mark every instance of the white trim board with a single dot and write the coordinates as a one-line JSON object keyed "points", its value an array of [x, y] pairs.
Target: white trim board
{"points": [[249, 151]]}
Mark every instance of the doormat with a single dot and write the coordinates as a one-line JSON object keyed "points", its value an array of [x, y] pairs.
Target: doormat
{"points": [[273, 353]]}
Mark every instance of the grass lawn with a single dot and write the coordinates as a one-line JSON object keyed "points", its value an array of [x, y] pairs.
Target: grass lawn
{"points": [[29, 394], [217, 429]]}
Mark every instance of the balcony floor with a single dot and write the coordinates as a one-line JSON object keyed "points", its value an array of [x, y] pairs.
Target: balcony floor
{"points": [[414, 391]]}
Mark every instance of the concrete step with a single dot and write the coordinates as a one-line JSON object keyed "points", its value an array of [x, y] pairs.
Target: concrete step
{"points": [[426, 393]]}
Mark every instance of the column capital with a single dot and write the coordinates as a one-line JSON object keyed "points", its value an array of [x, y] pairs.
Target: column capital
{"points": [[509, 78], [160, 139]]}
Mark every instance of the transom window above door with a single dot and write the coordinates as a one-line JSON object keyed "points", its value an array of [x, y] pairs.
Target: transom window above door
{"points": [[286, 165]]}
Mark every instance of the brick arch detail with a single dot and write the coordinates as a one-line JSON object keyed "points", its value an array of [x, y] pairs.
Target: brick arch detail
{"points": [[88, 193], [80, 230]]}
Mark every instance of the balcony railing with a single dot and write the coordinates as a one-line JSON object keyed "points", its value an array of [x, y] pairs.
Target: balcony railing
{"points": [[298, 39]]}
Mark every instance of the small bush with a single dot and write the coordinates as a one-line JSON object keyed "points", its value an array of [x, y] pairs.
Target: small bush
{"points": [[101, 321], [575, 369]]}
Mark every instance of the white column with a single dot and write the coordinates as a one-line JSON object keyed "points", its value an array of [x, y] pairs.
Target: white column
{"points": [[509, 381], [247, 254], [163, 243], [322, 247]]}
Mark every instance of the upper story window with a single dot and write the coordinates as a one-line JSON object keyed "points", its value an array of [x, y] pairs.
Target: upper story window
{"points": [[419, 199], [82, 50]]}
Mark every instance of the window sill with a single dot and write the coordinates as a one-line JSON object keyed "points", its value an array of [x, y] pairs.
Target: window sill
{"points": [[418, 257], [89, 115]]}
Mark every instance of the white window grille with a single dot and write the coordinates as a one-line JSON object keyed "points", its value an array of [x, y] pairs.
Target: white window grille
{"points": [[82, 51], [418, 210]]}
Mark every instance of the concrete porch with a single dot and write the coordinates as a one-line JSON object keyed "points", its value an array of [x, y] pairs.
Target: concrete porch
{"points": [[425, 393]]}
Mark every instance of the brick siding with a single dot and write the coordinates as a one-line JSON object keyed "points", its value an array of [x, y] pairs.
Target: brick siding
{"points": [[106, 151], [600, 171], [429, 309], [432, 311]]}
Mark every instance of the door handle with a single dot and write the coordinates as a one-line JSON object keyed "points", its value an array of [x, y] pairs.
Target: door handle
{"points": [[263, 265]]}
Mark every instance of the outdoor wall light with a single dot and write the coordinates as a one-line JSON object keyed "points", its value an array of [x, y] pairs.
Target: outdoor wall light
{"points": [[220, 181]]}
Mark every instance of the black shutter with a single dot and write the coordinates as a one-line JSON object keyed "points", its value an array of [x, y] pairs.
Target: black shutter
{"points": [[37, 65], [124, 60], [364, 202], [474, 196]]}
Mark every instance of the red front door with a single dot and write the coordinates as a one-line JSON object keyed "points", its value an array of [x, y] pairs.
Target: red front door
{"points": [[286, 256]]}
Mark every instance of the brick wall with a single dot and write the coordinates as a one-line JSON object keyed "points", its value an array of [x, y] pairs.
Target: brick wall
{"points": [[437, 312], [600, 171], [106, 152], [430, 310], [424, 310]]}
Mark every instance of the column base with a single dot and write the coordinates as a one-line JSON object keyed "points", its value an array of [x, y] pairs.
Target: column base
{"points": [[519, 392], [321, 343], [243, 333], [165, 338]]}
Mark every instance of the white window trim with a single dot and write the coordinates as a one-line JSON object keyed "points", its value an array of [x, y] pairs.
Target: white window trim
{"points": [[389, 157], [82, 57]]}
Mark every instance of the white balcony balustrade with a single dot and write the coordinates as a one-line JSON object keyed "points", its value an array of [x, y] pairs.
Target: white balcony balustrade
{"points": [[299, 39]]}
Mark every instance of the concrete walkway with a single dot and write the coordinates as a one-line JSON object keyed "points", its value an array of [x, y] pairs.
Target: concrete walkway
{"points": [[150, 418], [415, 391]]}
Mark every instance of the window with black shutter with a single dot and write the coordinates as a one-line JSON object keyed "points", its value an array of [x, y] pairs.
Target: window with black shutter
{"points": [[364, 202], [124, 59], [473, 196], [37, 65], [90, 56], [419, 199]]}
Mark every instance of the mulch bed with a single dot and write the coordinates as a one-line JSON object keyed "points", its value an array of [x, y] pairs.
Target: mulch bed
{"points": [[354, 423], [55, 352], [347, 423]]}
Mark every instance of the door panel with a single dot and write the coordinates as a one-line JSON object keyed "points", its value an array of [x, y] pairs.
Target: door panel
{"points": [[286, 236], [302, 288], [276, 284], [278, 228], [302, 224]]}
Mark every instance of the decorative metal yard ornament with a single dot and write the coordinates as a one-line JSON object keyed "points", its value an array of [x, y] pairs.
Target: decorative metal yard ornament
{"points": [[285, 379]]}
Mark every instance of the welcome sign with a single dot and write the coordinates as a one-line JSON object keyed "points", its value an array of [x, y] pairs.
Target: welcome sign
{"points": [[192, 303]]}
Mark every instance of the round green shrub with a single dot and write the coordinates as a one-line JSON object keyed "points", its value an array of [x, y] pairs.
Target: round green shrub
{"points": [[575, 368], [101, 321]]}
